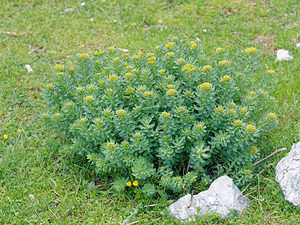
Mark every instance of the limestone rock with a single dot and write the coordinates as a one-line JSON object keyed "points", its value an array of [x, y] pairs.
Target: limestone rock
{"points": [[222, 197], [288, 175], [283, 55]]}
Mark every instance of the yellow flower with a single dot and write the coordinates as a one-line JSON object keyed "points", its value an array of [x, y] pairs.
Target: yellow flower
{"points": [[165, 137], [238, 122], [128, 75], [129, 90], [74, 125], [134, 70], [189, 68], [250, 98], [5, 136], [205, 86], [170, 45], [187, 92], [250, 50], [161, 71], [97, 61], [175, 38], [110, 145], [99, 52], [181, 60], [79, 89], [165, 114], [171, 86], [135, 183], [45, 115], [111, 49], [194, 45], [128, 184], [112, 77], [263, 93], [89, 98], [106, 112], [135, 56], [60, 74], [126, 55], [141, 53], [218, 50], [137, 108], [250, 128], [149, 54], [235, 88], [192, 118], [71, 69], [272, 116], [57, 115], [199, 126], [137, 135], [223, 63], [192, 42], [151, 60], [225, 78], [232, 104], [82, 120], [58, 67], [271, 72], [219, 109], [243, 110], [207, 68], [84, 56], [171, 92], [157, 47], [182, 109], [252, 93], [231, 111], [128, 67], [186, 131], [117, 59], [121, 112], [49, 86], [148, 93], [240, 74], [170, 54], [91, 87], [109, 90], [253, 149]]}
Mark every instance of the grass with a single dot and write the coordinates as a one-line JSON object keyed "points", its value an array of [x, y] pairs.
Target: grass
{"points": [[31, 164]]}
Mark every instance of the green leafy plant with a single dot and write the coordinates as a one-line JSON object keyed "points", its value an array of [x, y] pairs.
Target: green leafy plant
{"points": [[161, 120]]}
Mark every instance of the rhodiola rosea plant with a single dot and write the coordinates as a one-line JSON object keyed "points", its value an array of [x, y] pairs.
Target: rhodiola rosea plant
{"points": [[164, 118]]}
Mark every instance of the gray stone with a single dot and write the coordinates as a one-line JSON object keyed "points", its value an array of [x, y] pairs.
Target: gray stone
{"points": [[222, 197], [68, 10], [288, 175], [283, 55]]}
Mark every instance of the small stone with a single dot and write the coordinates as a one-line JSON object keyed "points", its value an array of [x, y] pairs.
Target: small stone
{"points": [[31, 196], [82, 4], [222, 197], [28, 68], [283, 55], [68, 10], [288, 175], [298, 45], [91, 20]]}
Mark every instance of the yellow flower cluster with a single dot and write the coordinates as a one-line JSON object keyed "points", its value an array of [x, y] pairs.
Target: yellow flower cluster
{"points": [[110, 145], [84, 56], [223, 63], [243, 110], [60, 74], [150, 54], [121, 112], [99, 52], [170, 45], [151, 60], [165, 114], [129, 184], [161, 71], [171, 86], [170, 54], [253, 149], [238, 122], [181, 60], [129, 90], [231, 111], [5, 136], [106, 112], [138, 135], [205, 86], [80, 89], [189, 68], [182, 109], [128, 67], [271, 72], [218, 50], [135, 56], [49, 86], [117, 59], [225, 78], [112, 77], [58, 67], [89, 98], [250, 50], [194, 45], [207, 68], [82, 120], [57, 115], [272, 116], [141, 53], [171, 92], [148, 93], [128, 75], [232, 104], [111, 49], [219, 109], [250, 128]]}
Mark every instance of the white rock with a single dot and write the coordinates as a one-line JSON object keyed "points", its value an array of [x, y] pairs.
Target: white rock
{"points": [[68, 10], [92, 20], [298, 45], [221, 197], [82, 4], [288, 175], [31, 196], [29, 69], [283, 55]]}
